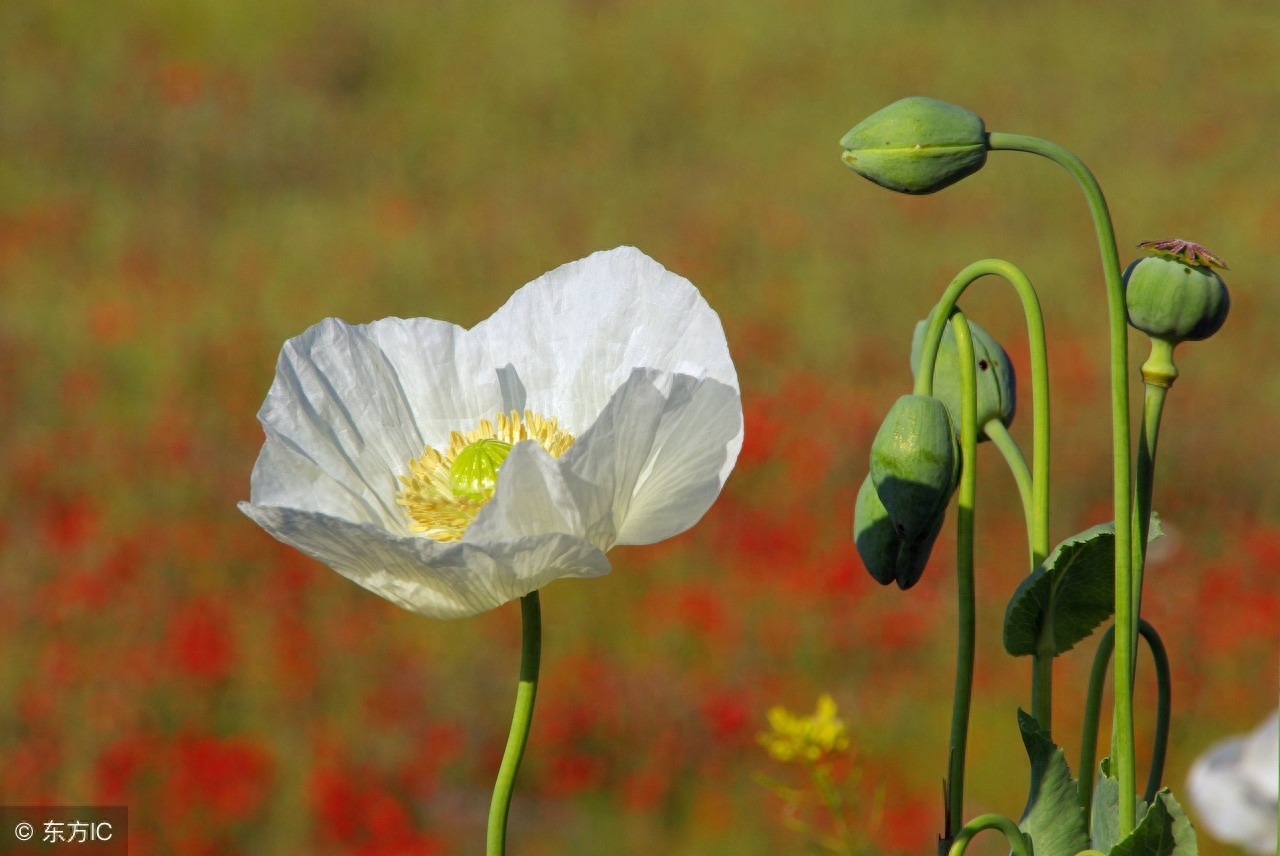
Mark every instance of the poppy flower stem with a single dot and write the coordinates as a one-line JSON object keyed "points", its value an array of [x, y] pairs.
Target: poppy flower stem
{"points": [[1038, 522], [1126, 620], [1093, 706], [1008, 448], [1034, 487], [530, 658], [1144, 484], [961, 701], [1019, 842]]}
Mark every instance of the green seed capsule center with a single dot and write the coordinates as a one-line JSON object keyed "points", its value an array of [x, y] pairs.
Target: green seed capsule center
{"points": [[474, 473]]}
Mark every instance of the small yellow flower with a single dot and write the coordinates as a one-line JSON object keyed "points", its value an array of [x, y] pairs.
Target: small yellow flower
{"points": [[805, 738]]}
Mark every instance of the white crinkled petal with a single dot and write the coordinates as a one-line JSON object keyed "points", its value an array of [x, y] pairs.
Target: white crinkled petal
{"points": [[599, 472], [425, 576], [531, 498], [448, 378], [575, 334], [284, 477], [1233, 787], [694, 448], [648, 468], [336, 421]]}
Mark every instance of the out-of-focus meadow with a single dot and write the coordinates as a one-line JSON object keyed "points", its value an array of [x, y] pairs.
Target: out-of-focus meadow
{"points": [[184, 185]]}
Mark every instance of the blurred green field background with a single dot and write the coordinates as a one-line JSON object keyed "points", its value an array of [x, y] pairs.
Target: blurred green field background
{"points": [[184, 185]]}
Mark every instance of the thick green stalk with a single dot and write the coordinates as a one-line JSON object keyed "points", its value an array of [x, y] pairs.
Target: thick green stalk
{"points": [[1018, 841], [967, 617], [1038, 530], [530, 658], [1122, 735], [1093, 706], [1158, 374]]}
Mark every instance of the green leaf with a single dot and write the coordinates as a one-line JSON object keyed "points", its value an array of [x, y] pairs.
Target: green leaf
{"points": [[1163, 831], [1184, 834], [1075, 588], [1053, 818], [1105, 816]]}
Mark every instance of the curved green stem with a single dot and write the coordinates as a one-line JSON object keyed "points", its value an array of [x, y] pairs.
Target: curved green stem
{"points": [[967, 618], [1038, 535], [1092, 710], [1122, 736], [1087, 770], [1008, 447], [530, 657], [1018, 841], [1164, 707]]}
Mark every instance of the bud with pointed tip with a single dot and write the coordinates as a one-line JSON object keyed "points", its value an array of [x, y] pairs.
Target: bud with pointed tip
{"points": [[997, 386], [915, 465], [916, 145], [887, 556]]}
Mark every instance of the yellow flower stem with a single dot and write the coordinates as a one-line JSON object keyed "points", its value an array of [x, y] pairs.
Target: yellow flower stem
{"points": [[530, 657], [1121, 459], [820, 775]]}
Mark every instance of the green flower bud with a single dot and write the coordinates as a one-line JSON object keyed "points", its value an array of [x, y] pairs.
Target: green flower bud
{"points": [[916, 145], [1176, 295], [997, 386], [915, 464], [877, 541], [888, 557]]}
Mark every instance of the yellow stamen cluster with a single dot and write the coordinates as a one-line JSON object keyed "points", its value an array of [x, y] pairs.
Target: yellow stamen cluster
{"points": [[805, 738], [434, 505]]}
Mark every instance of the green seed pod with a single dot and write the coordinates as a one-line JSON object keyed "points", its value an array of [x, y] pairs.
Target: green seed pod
{"points": [[887, 556], [474, 473], [1176, 296], [916, 145], [997, 386], [915, 464]]}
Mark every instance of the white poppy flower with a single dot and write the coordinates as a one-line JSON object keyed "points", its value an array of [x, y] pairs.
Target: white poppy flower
{"points": [[1234, 788], [452, 470]]}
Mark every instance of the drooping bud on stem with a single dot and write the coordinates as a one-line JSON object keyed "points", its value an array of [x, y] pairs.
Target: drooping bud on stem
{"points": [[997, 385], [916, 145], [915, 466]]}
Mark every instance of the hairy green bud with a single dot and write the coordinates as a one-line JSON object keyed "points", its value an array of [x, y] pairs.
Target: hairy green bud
{"points": [[916, 145]]}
